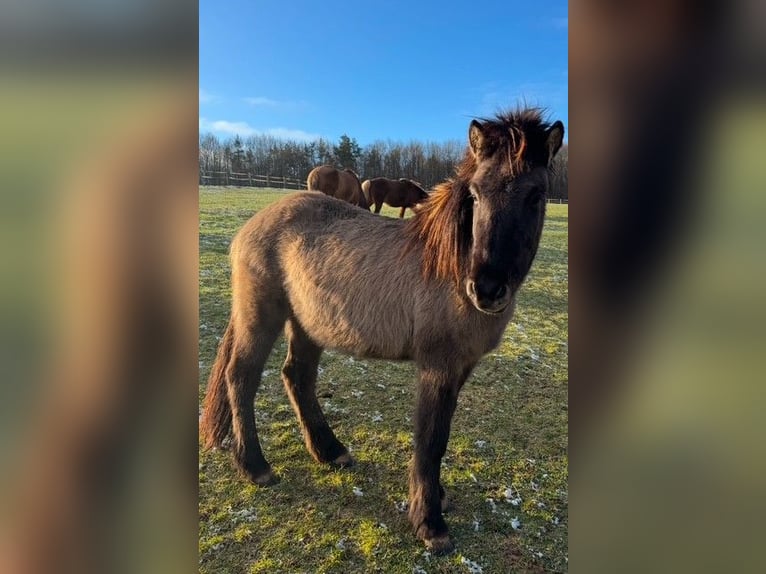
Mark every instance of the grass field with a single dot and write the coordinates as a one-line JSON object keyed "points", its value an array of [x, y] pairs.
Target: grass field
{"points": [[506, 464]]}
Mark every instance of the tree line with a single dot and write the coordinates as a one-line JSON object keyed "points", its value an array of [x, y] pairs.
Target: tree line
{"points": [[425, 162]]}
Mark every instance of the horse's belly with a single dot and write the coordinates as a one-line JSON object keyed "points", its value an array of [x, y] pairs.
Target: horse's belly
{"points": [[395, 200], [366, 331]]}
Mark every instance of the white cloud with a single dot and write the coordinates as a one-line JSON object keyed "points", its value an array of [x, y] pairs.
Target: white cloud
{"points": [[244, 129], [206, 97], [285, 133], [265, 102], [226, 127], [261, 101]]}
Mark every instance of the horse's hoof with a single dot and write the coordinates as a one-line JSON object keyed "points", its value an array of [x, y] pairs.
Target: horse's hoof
{"points": [[439, 545], [343, 461], [266, 479]]}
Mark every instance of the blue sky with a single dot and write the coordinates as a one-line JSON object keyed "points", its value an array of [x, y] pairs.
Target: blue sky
{"points": [[376, 70]]}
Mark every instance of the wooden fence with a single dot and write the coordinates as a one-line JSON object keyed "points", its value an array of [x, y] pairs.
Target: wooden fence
{"points": [[253, 180], [249, 180]]}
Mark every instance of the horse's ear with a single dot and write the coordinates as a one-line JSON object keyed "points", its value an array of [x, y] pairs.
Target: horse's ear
{"points": [[554, 140], [475, 137]]}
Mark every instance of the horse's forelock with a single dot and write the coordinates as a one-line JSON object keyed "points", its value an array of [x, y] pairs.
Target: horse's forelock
{"points": [[439, 224]]}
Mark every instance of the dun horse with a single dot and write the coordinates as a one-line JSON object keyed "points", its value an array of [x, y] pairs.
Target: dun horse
{"points": [[439, 291], [402, 193], [336, 183]]}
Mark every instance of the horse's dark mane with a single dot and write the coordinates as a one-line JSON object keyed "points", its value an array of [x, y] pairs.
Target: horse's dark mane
{"points": [[442, 224]]}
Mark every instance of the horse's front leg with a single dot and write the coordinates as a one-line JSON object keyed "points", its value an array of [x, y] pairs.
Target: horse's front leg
{"points": [[437, 398]]}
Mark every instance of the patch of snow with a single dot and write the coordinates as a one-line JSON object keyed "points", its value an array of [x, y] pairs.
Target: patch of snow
{"points": [[515, 523], [358, 491], [492, 505], [472, 566], [245, 515], [401, 505], [377, 417], [475, 524], [341, 545], [480, 443]]}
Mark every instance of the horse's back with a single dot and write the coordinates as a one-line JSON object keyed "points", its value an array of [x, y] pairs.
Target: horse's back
{"points": [[391, 192], [342, 271]]}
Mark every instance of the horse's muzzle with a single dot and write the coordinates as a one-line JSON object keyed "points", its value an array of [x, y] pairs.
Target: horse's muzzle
{"points": [[488, 296]]}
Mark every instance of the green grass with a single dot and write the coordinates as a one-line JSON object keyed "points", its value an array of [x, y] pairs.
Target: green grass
{"points": [[509, 432]]}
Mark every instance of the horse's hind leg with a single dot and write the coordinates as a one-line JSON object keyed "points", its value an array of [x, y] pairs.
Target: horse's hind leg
{"points": [[378, 206], [254, 339], [401, 213], [299, 375]]}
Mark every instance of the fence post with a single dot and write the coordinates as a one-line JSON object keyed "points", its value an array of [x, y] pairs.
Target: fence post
{"points": [[267, 180], [284, 182]]}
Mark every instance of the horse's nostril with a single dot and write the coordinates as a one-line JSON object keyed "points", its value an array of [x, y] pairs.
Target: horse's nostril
{"points": [[471, 288], [488, 289]]}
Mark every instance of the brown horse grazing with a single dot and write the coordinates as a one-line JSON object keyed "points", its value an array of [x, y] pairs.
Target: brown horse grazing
{"points": [[402, 193], [439, 289], [336, 183]]}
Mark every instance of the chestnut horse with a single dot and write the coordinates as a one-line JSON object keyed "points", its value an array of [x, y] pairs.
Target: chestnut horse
{"points": [[402, 193], [336, 183], [440, 289]]}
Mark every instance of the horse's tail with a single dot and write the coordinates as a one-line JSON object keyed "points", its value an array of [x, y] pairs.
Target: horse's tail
{"points": [[364, 203], [216, 416], [366, 191]]}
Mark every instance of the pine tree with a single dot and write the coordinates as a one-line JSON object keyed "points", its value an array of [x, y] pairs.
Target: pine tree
{"points": [[347, 152]]}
